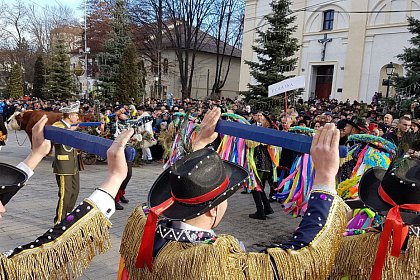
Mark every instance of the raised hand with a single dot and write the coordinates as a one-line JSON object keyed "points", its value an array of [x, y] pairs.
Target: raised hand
{"points": [[207, 134], [40, 146], [324, 152], [117, 165]]}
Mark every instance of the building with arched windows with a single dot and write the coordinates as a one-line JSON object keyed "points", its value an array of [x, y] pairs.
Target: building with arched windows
{"points": [[345, 44]]}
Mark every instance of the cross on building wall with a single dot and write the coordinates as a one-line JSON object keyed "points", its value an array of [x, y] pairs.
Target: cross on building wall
{"points": [[324, 43]]}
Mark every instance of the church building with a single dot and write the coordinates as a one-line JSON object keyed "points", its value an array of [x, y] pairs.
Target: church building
{"points": [[346, 45]]}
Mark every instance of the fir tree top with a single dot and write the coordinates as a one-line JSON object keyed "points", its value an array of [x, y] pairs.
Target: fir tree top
{"points": [[275, 48]]}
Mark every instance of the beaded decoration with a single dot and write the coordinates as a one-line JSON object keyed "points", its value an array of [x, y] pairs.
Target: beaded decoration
{"points": [[377, 152], [376, 141], [302, 130]]}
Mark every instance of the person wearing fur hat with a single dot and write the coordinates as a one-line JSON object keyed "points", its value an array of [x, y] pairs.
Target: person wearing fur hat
{"points": [[66, 249], [66, 165], [191, 197]]}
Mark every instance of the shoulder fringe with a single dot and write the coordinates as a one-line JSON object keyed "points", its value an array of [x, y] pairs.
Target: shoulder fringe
{"points": [[223, 259], [64, 258], [315, 260], [357, 253]]}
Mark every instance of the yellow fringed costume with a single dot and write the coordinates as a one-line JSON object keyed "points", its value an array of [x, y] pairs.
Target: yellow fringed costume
{"points": [[64, 251], [224, 258], [356, 258]]}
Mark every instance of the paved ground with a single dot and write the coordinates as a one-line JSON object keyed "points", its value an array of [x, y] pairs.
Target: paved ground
{"points": [[31, 211]]}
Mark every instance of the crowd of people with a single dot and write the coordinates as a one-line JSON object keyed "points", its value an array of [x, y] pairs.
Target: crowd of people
{"points": [[372, 118], [382, 152]]}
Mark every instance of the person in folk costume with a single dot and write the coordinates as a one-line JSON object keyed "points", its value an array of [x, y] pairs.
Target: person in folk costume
{"points": [[66, 249], [394, 193], [287, 157], [265, 163], [356, 126], [191, 196], [3, 132], [67, 164], [120, 119], [147, 132]]}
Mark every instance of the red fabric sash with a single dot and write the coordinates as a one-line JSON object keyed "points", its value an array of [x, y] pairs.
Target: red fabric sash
{"points": [[394, 226], [145, 254]]}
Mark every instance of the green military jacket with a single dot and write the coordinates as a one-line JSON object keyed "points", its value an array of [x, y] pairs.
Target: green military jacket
{"points": [[65, 159]]}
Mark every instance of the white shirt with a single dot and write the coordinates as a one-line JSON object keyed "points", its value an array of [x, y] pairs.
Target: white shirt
{"points": [[102, 200]]}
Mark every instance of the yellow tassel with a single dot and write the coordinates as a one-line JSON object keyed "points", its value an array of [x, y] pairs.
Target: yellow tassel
{"points": [[64, 258], [225, 260], [179, 261], [357, 254], [315, 260]]}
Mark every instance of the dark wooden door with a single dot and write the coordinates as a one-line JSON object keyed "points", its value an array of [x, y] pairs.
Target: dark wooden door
{"points": [[324, 78]]}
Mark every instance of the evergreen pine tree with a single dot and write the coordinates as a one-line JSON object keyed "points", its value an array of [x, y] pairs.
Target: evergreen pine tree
{"points": [[127, 82], [15, 82], [411, 59], [59, 83], [275, 49], [119, 50], [39, 77], [142, 77]]}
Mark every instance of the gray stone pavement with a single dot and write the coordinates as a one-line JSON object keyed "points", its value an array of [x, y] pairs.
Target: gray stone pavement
{"points": [[31, 212]]}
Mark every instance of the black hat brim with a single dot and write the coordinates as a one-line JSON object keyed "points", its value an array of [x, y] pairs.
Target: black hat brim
{"points": [[369, 194], [11, 180], [353, 124], [161, 191]]}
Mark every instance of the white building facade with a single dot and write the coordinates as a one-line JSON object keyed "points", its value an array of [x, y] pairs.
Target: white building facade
{"points": [[345, 44]]}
